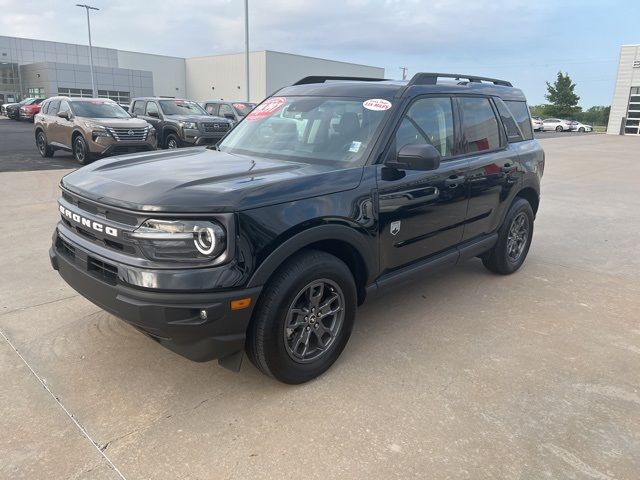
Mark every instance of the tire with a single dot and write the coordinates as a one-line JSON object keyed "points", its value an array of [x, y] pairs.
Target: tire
{"points": [[293, 290], [581, 129], [559, 128], [43, 147], [80, 150], [172, 141], [510, 251]]}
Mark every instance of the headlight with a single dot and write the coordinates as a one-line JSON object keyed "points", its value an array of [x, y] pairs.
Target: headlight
{"points": [[181, 240], [189, 125]]}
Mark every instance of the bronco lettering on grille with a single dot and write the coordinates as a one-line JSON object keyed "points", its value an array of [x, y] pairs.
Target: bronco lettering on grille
{"points": [[86, 222]]}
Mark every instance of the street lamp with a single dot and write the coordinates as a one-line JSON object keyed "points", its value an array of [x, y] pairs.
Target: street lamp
{"points": [[93, 81], [246, 45]]}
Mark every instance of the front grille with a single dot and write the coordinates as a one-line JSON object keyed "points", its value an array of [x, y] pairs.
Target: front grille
{"points": [[102, 270], [211, 127], [129, 134], [65, 248]]}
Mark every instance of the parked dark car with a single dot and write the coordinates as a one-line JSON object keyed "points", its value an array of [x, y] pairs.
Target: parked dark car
{"points": [[325, 194], [13, 110], [234, 111], [180, 123]]}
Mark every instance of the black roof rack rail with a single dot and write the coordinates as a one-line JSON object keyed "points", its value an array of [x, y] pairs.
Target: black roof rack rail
{"points": [[323, 79], [432, 79]]}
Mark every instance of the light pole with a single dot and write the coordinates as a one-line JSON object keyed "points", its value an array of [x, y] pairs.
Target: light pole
{"points": [[93, 81], [246, 46]]}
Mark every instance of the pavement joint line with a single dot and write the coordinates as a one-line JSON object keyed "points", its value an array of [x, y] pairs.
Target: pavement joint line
{"points": [[19, 309], [57, 400]]}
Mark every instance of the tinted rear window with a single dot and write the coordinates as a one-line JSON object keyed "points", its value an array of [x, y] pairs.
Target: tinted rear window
{"points": [[513, 132], [480, 125], [520, 112]]}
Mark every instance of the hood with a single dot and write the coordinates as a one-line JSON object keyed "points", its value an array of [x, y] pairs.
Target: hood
{"points": [[197, 118], [196, 180], [117, 122]]}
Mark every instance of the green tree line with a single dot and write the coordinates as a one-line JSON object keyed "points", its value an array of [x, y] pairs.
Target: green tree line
{"points": [[563, 103]]}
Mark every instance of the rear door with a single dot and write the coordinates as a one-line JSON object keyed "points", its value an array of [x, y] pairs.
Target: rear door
{"points": [[492, 164], [422, 212]]}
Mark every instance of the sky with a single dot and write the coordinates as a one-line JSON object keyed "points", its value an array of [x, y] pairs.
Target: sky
{"points": [[525, 42]]}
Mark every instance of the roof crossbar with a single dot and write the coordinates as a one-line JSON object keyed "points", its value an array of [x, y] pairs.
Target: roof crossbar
{"points": [[324, 79], [432, 79]]}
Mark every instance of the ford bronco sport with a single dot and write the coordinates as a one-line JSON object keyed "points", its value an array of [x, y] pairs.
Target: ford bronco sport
{"points": [[328, 191], [180, 123], [90, 128]]}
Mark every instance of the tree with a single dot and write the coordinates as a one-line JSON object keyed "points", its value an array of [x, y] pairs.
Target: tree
{"points": [[564, 101], [596, 115]]}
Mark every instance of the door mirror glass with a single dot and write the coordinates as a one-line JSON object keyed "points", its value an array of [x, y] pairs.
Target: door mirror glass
{"points": [[152, 113], [230, 116], [417, 157]]}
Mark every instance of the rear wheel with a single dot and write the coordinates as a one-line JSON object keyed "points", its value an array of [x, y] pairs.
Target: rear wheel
{"points": [[43, 147], [304, 318], [514, 240], [80, 150]]}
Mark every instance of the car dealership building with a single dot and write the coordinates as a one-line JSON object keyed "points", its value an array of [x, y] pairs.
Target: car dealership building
{"points": [[37, 68], [625, 107]]}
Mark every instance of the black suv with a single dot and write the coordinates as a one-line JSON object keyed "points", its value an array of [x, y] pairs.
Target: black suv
{"points": [[324, 194], [180, 123]]}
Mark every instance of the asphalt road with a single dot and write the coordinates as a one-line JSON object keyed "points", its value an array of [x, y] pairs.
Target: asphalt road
{"points": [[18, 150], [462, 375]]}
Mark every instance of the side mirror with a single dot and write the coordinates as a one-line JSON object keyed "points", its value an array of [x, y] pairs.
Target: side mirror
{"points": [[230, 116], [64, 114], [417, 157], [153, 114], [133, 115]]}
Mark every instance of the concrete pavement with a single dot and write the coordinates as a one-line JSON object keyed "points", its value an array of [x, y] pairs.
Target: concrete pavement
{"points": [[462, 375]]}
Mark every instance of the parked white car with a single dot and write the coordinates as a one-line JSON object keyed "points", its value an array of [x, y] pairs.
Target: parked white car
{"points": [[581, 127], [536, 123], [556, 124]]}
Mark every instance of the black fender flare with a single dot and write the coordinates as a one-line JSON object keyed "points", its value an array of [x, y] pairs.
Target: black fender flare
{"points": [[355, 238], [166, 130]]}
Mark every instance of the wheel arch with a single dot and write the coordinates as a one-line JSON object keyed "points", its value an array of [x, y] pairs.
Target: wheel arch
{"points": [[531, 196], [341, 241]]}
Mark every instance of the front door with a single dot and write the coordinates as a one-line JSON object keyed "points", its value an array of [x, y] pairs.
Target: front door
{"points": [[422, 212]]}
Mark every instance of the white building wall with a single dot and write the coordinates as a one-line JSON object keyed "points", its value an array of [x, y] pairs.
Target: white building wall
{"points": [[169, 73], [222, 77], [284, 69], [628, 76]]}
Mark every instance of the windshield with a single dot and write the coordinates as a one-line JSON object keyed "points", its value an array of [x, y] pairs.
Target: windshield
{"points": [[243, 108], [181, 107], [308, 129], [98, 109]]}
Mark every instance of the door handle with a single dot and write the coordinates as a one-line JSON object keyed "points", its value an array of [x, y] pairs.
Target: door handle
{"points": [[454, 180]]}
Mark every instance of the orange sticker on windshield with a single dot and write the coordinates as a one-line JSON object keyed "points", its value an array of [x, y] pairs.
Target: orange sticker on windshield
{"points": [[267, 108], [377, 104]]}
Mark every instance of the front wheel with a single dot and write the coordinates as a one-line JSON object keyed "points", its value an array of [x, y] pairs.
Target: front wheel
{"points": [[80, 150], [559, 128], [172, 141], [581, 129], [304, 318], [514, 240]]}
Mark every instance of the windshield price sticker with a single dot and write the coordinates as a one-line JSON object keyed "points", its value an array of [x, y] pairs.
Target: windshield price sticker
{"points": [[377, 104], [267, 108]]}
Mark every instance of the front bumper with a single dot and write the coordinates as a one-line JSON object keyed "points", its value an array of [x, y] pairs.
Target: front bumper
{"points": [[174, 319], [104, 146], [196, 137]]}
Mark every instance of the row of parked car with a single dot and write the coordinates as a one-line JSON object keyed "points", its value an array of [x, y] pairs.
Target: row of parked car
{"points": [[559, 125], [97, 127]]}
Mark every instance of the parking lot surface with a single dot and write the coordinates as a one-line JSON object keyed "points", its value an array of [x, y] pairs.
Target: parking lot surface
{"points": [[463, 375]]}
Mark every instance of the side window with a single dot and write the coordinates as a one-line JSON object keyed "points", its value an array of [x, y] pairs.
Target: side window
{"points": [[225, 109], [53, 107], [520, 112], [44, 107], [138, 107], [152, 108], [513, 132], [479, 124], [212, 108], [428, 120]]}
